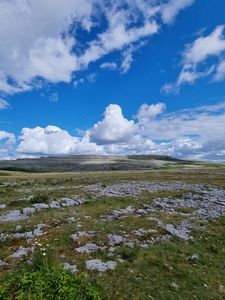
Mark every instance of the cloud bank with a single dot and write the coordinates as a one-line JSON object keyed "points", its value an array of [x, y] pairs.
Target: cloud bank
{"points": [[197, 133]]}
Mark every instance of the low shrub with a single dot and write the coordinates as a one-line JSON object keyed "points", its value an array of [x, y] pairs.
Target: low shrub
{"points": [[44, 280], [127, 253], [40, 198]]}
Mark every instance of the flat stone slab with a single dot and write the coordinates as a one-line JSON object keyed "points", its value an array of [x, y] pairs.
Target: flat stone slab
{"points": [[97, 264], [22, 252], [89, 248], [12, 215]]}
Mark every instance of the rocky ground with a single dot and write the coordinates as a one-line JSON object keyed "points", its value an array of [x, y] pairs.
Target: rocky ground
{"points": [[98, 224]]}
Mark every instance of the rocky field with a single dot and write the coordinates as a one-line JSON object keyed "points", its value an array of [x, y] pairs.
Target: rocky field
{"points": [[157, 234]]}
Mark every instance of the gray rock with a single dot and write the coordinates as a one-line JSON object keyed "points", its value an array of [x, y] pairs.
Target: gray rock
{"points": [[38, 231], [194, 258], [71, 268], [79, 234], [70, 220], [39, 206], [2, 263], [68, 202], [12, 216], [89, 248], [97, 264], [29, 235], [54, 204], [174, 285], [22, 252], [27, 211], [181, 231], [2, 206], [115, 239], [18, 227]]}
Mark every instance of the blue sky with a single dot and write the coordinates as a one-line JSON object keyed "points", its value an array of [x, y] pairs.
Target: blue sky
{"points": [[112, 77]]}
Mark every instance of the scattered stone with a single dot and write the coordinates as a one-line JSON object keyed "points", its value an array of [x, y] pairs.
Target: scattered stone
{"points": [[129, 210], [174, 285], [120, 260], [182, 231], [29, 235], [130, 244], [70, 220], [89, 248], [38, 231], [12, 216], [97, 264], [194, 258], [27, 211], [2, 206], [54, 204], [68, 202], [71, 268], [39, 206], [5, 184], [2, 263], [22, 252], [79, 234], [134, 189], [115, 239], [19, 228]]}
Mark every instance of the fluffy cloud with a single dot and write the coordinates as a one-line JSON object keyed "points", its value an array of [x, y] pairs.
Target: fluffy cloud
{"points": [[53, 141], [147, 112], [41, 39], [33, 42], [190, 133], [196, 55], [114, 128]]}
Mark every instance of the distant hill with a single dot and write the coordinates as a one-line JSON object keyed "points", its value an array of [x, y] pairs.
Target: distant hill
{"points": [[79, 163]]}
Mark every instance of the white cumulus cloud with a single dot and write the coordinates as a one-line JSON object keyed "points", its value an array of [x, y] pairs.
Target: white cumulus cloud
{"points": [[189, 133], [50, 39], [114, 128]]}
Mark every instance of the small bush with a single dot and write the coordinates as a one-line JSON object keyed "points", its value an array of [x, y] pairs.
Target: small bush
{"points": [[127, 253], [44, 280], [40, 198], [51, 284]]}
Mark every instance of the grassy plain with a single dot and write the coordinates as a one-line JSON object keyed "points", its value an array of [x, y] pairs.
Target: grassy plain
{"points": [[162, 271]]}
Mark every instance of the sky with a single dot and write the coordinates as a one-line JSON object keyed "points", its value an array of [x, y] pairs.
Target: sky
{"points": [[112, 77]]}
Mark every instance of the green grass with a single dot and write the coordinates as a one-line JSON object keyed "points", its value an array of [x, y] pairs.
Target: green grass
{"points": [[163, 271]]}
